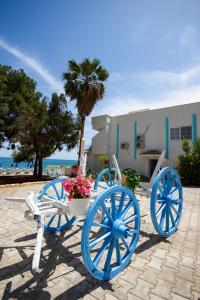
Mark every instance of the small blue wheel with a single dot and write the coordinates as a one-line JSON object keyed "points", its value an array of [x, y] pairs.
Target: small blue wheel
{"points": [[55, 190], [166, 202], [108, 243], [107, 178]]}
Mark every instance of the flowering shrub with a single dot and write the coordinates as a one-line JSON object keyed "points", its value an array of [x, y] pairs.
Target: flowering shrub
{"points": [[78, 187], [76, 170]]}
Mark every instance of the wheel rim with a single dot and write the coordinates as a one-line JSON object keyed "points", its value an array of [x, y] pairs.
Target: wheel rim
{"points": [[55, 191], [166, 202], [109, 177], [108, 245]]}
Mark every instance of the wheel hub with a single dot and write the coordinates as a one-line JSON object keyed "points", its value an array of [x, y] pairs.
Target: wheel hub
{"points": [[119, 229]]}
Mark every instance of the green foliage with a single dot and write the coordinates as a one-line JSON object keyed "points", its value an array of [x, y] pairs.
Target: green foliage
{"points": [[189, 164], [132, 178], [16, 91], [103, 158], [38, 126], [84, 85]]}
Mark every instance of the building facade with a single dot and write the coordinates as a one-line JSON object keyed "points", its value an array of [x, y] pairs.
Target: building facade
{"points": [[138, 138]]}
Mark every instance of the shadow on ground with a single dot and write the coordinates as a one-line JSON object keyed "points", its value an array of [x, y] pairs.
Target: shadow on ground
{"points": [[58, 254]]}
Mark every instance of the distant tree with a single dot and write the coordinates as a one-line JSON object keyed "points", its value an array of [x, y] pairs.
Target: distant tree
{"points": [[16, 90], [84, 85], [189, 164], [45, 126]]}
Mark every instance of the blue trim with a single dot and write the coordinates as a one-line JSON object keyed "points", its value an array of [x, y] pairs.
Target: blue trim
{"points": [[194, 128], [134, 140], [167, 137], [117, 142]]}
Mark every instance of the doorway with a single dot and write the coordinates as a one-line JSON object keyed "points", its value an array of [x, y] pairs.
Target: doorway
{"points": [[152, 164]]}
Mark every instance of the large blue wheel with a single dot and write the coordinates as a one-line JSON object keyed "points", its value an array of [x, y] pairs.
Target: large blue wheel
{"points": [[166, 202], [55, 191], [108, 243], [106, 178]]}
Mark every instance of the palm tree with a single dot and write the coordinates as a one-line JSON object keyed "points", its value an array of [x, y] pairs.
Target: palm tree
{"points": [[84, 85]]}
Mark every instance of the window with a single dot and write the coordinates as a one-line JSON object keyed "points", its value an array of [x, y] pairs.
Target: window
{"points": [[175, 133], [186, 133]]}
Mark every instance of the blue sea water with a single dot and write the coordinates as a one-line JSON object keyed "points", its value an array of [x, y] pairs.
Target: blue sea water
{"points": [[6, 162]]}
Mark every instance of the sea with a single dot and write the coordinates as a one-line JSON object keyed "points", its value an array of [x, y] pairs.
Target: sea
{"points": [[6, 163]]}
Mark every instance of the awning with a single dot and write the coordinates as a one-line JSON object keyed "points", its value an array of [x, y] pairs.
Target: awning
{"points": [[151, 154]]}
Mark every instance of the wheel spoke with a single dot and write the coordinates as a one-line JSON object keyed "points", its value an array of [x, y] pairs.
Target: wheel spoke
{"points": [[161, 191], [162, 206], [100, 252], [59, 221], [124, 212], [174, 190], [50, 221], [105, 180], [106, 212], [172, 182], [95, 224], [94, 242], [55, 189], [130, 218], [167, 219], [118, 255], [162, 217], [164, 184], [103, 187], [174, 209], [62, 191], [126, 245], [171, 217], [121, 203], [109, 256], [113, 205], [175, 201], [66, 218]]}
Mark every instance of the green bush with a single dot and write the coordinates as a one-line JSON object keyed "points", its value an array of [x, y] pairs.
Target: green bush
{"points": [[132, 178], [189, 164]]}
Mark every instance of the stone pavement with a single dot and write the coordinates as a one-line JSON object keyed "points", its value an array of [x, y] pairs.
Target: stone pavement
{"points": [[161, 269]]}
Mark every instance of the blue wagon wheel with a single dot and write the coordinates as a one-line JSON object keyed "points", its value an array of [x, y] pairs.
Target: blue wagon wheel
{"points": [[107, 178], [108, 244], [166, 202], [55, 191]]}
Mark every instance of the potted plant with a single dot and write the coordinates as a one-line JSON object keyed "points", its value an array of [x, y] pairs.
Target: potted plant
{"points": [[130, 178], [104, 160], [79, 191]]}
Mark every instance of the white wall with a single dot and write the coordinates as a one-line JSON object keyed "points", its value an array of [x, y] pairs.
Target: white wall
{"points": [[155, 137]]}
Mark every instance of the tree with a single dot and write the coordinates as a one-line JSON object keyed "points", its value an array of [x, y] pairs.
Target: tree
{"points": [[16, 89], [189, 163], [45, 126], [84, 85]]}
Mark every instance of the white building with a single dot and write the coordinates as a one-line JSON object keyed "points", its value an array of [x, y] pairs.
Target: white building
{"points": [[137, 138]]}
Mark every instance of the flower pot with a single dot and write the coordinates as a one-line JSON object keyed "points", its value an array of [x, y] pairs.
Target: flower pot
{"points": [[79, 206]]}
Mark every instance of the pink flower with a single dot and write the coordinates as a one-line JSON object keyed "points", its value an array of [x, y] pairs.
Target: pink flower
{"points": [[78, 187]]}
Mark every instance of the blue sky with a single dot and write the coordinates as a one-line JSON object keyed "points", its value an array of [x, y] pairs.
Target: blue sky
{"points": [[150, 48]]}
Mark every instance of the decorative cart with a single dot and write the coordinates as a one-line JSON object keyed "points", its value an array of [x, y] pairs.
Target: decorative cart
{"points": [[112, 221]]}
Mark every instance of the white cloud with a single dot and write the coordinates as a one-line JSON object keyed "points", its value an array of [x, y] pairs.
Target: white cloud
{"points": [[31, 62], [188, 35], [160, 77]]}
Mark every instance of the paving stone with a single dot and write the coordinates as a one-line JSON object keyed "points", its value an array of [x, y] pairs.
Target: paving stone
{"points": [[160, 253], [185, 273], [171, 262], [161, 268], [167, 274], [142, 289], [176, 297], [163, 288], [182, 287], [155, 263], [150, 275]]}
